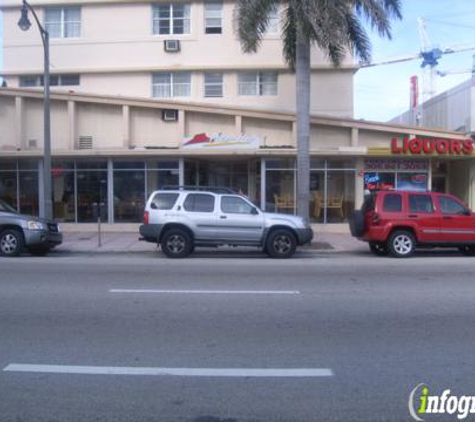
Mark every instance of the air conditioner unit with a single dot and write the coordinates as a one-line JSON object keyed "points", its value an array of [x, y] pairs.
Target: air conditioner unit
{"points": [[169, 115], [32, 144], [85, 142], [171, 46]]}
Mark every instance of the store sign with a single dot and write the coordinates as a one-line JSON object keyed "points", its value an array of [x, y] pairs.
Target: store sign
{"points": [[395, 165], [430, 146], [222, 141]]}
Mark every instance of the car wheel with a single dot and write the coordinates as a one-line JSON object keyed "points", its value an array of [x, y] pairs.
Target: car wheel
{"points": [[11, 242], [177, 243], [281, 244], [467, 250], [402, 244], [378, 249], [39, 250]]}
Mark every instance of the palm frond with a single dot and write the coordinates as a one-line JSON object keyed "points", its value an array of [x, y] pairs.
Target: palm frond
{"points": [[252, 18]]}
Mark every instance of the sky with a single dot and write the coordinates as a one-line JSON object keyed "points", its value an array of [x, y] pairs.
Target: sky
{"points": [[382, 92]]}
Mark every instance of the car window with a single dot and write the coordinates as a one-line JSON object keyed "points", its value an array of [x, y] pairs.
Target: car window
{"points": [[164, 201], [199, 202], [392, 203], [450, 206], [234, 204], [420, 203], [6, 207]]}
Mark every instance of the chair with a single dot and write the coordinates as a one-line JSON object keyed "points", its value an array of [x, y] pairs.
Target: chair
{"points": [[283, 202], [336, 203], [317, 205]]}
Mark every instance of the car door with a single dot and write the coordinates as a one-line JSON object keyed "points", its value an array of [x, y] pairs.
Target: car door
{"points": [[239, 220], [423, 216], [457, 223], [199, 212]]}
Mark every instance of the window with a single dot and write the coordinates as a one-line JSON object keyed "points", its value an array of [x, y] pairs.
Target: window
{"points": [[171, 19], [213, 84], [392, 203], [29, 81], [170, 85], [235, 205], [63, 22], [257, 83], [450, 206], [55, 80], [165, 201], [420, 203], [273, 21], [213, 17], [199, 202]]}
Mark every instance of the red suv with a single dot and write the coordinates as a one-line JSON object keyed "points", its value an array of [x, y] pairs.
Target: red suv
{"points": [[395, 222]]}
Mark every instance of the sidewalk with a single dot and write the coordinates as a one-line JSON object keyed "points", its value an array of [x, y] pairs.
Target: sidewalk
{"points": [[128, 242]]}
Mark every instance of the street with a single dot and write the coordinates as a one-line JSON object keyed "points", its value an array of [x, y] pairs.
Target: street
{"points": [[232, 337]]}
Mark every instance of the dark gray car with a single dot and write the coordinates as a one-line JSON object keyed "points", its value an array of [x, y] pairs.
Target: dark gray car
{"points": [[19, 232]]}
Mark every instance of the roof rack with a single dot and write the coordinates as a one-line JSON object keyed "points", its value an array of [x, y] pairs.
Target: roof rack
{"points": [[213, 189]]}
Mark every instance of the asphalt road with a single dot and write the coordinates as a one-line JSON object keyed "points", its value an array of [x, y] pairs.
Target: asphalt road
{"points": [[373, 327]]}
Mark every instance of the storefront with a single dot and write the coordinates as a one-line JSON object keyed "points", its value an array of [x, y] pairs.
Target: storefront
{"points": [[131, 152]]}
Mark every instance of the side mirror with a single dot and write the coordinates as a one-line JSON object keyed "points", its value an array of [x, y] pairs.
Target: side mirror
{"points": [[254, 211], [467, 212], [153, 205]]}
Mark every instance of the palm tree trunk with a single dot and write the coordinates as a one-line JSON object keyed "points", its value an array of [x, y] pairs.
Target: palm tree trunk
{"points": [[302, 67]]}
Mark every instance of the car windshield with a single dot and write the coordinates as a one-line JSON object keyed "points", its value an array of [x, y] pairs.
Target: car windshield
{"points": [[6, 207]]}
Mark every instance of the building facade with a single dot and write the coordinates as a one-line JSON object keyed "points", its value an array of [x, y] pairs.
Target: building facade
{"points": [[176, 50], [152, 94], [113, 151]]}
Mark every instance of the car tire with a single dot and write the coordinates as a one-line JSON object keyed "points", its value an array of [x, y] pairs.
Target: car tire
{"points": [[281, 243], [467, 250], [177, 243], [378, 249], [11, 242], [357, 223], [401, 244], [39, 250]]}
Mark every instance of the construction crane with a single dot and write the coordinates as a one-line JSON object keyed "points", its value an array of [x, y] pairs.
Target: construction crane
{"points": [[459, 71], [430, 56]]}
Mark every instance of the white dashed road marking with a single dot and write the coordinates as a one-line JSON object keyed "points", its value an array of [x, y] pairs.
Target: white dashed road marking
{"points": [[178, 372], [209, 292]]}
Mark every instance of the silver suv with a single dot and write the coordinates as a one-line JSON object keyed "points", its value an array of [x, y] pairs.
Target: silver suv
{"points": [[18, 231], [180, 219]]}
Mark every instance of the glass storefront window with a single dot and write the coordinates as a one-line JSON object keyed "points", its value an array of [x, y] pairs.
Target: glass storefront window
{"points": [[129, 165], [163, 164], [129, 195], [340, 200], [280, 163], [29, 192], [8, 187], [63, 194], [411, 181], [157, 179], [91, 189], [341, 163], [280, 195], [379, 180], [317, 194]]}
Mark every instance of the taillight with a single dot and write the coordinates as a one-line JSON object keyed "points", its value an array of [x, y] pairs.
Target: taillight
{"points": [[375, 218], [145, 218]]}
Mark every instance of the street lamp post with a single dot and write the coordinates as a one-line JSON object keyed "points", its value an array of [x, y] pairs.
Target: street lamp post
{"points": [[46, 208]]}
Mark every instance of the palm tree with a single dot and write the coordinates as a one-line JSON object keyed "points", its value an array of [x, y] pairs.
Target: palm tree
{"points": [[334, 26]]}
